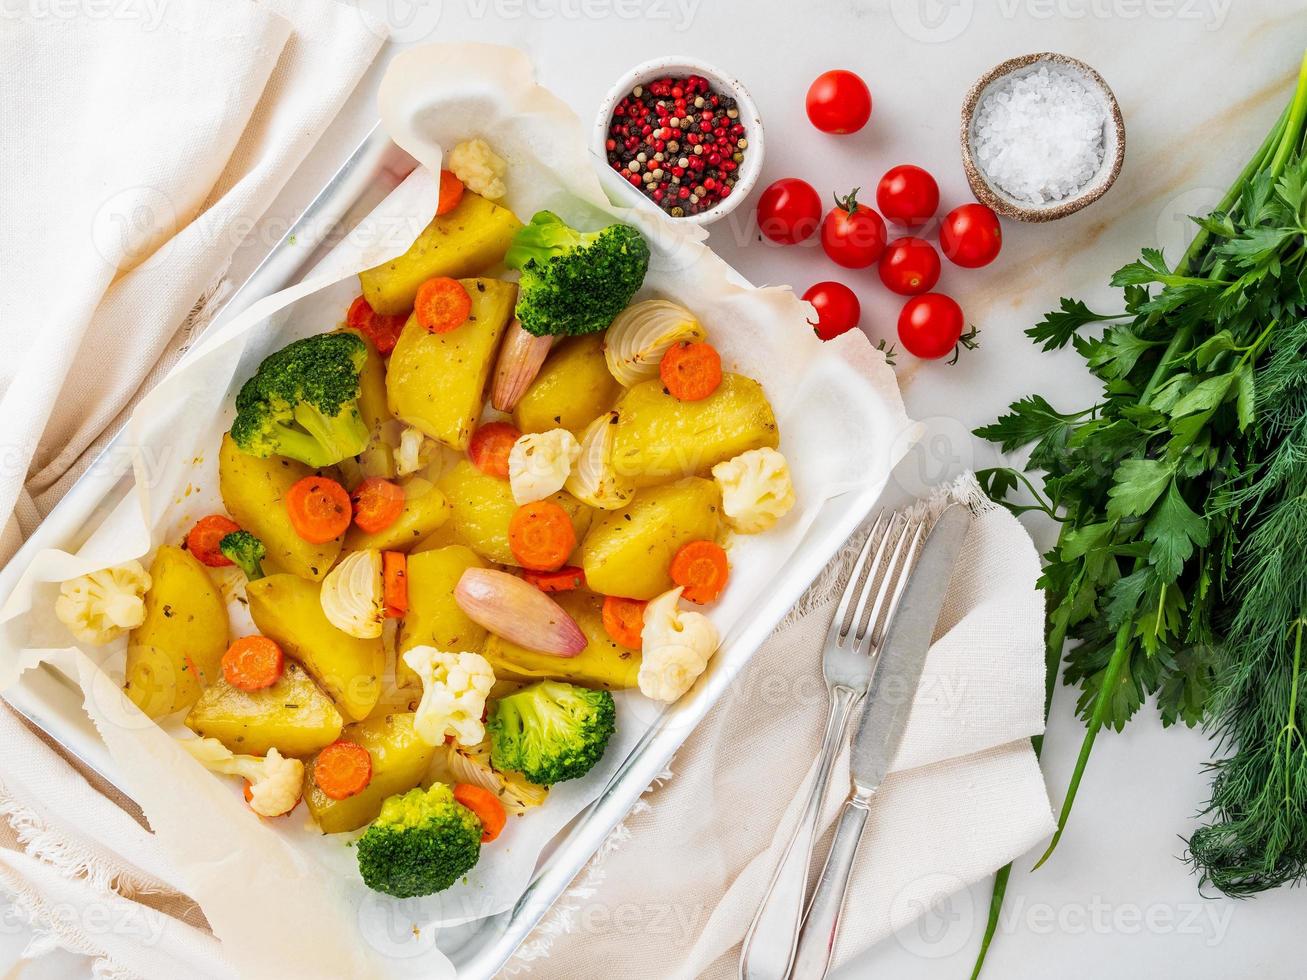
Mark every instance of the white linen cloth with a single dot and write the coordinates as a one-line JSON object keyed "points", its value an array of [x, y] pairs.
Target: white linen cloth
{"points": [[142, 144]]}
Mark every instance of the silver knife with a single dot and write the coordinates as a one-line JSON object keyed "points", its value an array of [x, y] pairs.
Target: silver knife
{"points": [[889, 700]]}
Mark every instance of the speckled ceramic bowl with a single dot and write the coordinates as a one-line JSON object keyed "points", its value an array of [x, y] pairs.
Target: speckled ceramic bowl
{"points": [[1113, 140]]}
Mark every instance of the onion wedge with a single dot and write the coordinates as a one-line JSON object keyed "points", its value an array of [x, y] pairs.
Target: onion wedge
{"points": [[518, 612], [520, 359]]}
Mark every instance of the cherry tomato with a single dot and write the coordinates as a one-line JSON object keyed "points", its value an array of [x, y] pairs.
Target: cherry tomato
{"points": [[909, 266], [853, 235], [907, 195], [789, 211], [971, 236], [838, 309], [930, 326], [839, 102]]}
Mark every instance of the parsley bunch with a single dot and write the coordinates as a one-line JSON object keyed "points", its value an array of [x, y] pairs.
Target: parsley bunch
{"points": [[1180, 495]]}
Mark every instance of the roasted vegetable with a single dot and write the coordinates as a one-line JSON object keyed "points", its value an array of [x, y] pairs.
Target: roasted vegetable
{"points": [[378, 458], [422, 842], [293, 716], [571, 390], [551, 731], [425, 510], [433, 617], [246, 552]]}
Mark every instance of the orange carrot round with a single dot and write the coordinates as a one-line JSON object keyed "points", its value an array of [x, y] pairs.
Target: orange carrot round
{"points": [[624, 620], [491, 443], [342, 769], [394, 583], [566, 579], [377, 504], [451, 192], [691, 372], [252, 663], [203, 539], [382, 329], [541, 536], [701, 567], [319, 509], [442, 304], [485, 805]]}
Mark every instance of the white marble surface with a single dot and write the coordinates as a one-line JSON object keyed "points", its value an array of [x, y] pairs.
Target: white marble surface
{"points": [[1199, 82]]}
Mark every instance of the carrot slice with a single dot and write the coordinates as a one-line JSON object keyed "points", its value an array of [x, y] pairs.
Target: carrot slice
{"points": [[691, 372], [394, 583], [624, 620], [541, 536], [252, 663], [451, 192], [442, 304], [566, 579], [485, 805], [203, 539], [342, 769], [377, 504], [382, 329], [491, 443], [319, 509], [701, 567]]}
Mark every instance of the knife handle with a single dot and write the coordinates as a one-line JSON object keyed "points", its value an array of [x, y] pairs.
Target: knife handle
{"points": [[769, 945], [822, 922]]}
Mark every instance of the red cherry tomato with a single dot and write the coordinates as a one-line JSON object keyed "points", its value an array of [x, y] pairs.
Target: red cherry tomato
{"points": [[838, 309], [853, 235], [930, 326], [839, 102], [907, 195], [909, 266], [789, 211], [971, 236]]}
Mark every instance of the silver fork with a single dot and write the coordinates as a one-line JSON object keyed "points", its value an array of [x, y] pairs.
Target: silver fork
{"points": [[849, 659]]}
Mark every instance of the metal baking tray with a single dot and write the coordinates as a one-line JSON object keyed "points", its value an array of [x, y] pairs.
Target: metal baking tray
{"points": [[478, 949]]}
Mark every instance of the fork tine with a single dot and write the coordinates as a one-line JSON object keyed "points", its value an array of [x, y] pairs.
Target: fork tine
{"points": [[873, 596], [852, 585], [875, 576], [887, 599]]}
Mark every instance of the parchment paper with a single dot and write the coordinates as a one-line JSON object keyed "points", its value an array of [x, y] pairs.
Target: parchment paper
{"points": [[285, 899]]}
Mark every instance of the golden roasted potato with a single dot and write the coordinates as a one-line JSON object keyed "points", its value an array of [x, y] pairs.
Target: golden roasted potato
{"points": [[178, 648], [603, 663], [378, 459], [425, 510], [572, 388], [254, 492], [433, 617], [436, 380], [628, 551], [483, 505], [292, 716], [658, 438], [465, 242], [289, 610], [400, 760]]}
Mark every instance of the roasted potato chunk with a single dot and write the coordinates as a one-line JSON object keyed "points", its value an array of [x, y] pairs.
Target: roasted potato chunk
{"points": [[292, 716], [178, 649], [465, 242], [572, 388], [628, 551], [425, 510], [659, 438], [603, 663], [436, 380], [433, 617]]}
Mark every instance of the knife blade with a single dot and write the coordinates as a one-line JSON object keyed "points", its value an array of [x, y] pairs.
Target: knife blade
{"points": [[903, 654]]}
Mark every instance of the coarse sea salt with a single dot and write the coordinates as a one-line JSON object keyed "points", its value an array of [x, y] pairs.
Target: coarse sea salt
{"points": [[1039, 135]]}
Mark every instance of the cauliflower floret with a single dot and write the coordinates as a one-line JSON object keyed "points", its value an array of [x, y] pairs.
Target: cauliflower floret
{"points": [[539, 464], [454, 690], [675, 647], [413, 452], [104, 605], [480, 168], [756, 489], [275, 782], [351, 595]]}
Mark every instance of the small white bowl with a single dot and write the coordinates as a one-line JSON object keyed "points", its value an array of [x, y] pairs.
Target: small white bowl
{"points": [[678, 66]]}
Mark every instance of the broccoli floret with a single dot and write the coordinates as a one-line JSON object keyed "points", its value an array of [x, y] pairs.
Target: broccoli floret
{"points": [[245, 550], [421, 842], [303, 402], [574, 282], [550, 731]]}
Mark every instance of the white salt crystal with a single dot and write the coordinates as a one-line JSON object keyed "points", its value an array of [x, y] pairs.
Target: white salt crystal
{"points": [[1039, 136]]}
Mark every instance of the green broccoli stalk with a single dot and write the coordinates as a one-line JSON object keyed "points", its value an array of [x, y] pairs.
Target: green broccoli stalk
{"points": [[550, 731], [574, 282], [421, 843], [245, 550], [303, 402]]}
